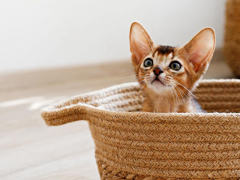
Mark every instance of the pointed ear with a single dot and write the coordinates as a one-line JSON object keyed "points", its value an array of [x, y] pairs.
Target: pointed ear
{"points": [[140, 43], [200, 49]]}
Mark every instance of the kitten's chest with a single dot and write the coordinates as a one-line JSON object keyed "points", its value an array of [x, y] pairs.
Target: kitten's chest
{"points": [[164, 105]]}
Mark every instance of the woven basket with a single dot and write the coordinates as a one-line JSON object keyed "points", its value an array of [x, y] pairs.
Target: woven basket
{"points": [[152, 146], [232, 36]]}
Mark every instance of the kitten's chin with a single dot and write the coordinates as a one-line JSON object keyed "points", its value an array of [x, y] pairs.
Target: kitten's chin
{"points": [[157, 82], [158, 86]]}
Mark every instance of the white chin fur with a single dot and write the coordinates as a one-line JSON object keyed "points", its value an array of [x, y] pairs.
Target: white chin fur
{"points": [[158, 87]]}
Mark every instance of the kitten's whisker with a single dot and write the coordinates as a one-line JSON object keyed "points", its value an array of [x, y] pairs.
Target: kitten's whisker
{"points": [[180, 92], [176, 94], [172, 93], [173, 87], [183, 92], [172, 90], [185, 88], [177, 99], [148, 78], [140, 78]]}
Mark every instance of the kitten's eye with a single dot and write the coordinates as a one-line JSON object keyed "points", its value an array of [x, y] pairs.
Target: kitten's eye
{"points": [[175, 65], [148, 62]]}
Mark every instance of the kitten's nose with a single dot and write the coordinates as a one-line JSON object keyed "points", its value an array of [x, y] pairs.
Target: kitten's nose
{"points": [[157, 71]]}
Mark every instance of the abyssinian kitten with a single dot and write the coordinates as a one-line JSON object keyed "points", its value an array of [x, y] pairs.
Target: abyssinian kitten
{"points": [[167, 74]]}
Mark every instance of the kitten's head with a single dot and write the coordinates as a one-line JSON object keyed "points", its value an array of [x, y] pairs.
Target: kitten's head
{"points": [[163, 67]]}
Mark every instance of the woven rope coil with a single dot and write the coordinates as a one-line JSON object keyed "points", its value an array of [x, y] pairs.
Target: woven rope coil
{"points": [[232, 36], [151, 146]]}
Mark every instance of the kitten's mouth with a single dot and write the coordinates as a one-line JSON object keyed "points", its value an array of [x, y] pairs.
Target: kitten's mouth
{"points": [[156, 80]]}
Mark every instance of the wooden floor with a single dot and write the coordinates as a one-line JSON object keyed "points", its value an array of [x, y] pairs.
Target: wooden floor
{"points": [[29, 149]]}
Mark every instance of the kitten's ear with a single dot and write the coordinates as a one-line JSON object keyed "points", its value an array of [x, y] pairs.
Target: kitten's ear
{"points": [[140, 43], [200, 49]]}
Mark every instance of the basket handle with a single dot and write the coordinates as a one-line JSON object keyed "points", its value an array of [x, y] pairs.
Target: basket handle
{"points": [[55, 116], [87, 106]]}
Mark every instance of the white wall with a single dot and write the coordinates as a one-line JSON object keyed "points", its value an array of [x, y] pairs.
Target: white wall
{"points": [[54, 33]]}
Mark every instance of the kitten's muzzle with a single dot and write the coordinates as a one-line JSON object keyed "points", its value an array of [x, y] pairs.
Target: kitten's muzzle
{"points": [[157, 71]]}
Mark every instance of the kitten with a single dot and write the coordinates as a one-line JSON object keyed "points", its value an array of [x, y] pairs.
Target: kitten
{"points": [[167, 74]]}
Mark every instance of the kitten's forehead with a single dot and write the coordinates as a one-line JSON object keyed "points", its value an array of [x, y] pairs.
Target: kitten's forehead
{"points": [[163, 55], [164, 50]]}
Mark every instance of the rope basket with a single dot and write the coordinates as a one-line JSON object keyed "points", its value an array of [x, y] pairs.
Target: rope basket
{"points": [[232, 36], [133, 145]]}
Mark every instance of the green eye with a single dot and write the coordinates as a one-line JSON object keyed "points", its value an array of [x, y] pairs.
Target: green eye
{"points": [[175, 65], [148, 62]]}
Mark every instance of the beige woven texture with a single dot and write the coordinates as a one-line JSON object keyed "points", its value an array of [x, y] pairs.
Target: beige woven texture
{"points": [[232, 36], [151, 146]]}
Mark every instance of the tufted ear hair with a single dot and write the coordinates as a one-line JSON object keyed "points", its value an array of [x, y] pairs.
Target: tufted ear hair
{"points": [[140, 43], [200, 49]]}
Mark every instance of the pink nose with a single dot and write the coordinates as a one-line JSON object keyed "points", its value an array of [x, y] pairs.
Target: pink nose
{"points": [[157, 71]]}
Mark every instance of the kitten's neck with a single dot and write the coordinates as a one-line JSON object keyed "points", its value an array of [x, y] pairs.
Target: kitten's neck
{"points": [[166, 103]]}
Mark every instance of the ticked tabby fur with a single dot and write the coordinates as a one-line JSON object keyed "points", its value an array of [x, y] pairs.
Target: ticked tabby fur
{"points": [[167, 74]]}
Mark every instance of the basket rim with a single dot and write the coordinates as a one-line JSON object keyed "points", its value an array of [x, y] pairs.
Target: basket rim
{"points": [[68, 108]]}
